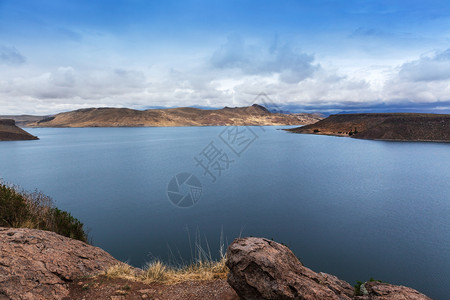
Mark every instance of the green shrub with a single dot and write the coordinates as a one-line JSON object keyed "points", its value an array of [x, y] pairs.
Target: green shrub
{"points": [[36, 210], [358, 286], [65, 224], [13, 207]]}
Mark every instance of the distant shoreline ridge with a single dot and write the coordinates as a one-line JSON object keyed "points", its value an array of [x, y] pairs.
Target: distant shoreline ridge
{"points": [[415, 127], [183, 116]]}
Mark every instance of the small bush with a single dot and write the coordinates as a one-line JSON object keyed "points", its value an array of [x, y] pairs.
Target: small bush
{"points": [[358, 285], [36, 211], [316, 130], [66, 225]]}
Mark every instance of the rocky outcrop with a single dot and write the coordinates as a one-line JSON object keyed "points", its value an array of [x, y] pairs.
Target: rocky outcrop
{"points": [[264, 269], [10, 132], [375, 290], [37, 264]]}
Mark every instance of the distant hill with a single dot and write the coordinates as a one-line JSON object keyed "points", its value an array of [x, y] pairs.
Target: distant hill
{"points": [[23, 120], [10, 132], [185, 116], [384, 126]]}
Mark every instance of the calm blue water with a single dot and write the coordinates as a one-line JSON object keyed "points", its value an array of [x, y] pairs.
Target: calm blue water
{"points": [[353, 208]]}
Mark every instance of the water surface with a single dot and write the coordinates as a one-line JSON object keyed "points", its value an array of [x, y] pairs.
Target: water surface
{"points": [[353, 208]]}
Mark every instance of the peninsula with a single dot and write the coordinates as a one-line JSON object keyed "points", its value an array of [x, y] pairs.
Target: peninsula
{"points": [[383, 126], [10, 132]]}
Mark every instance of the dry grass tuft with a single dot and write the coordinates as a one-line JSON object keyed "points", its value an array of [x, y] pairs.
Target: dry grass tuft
{"points": [[121, 270], [156, 272], [159, 272], [201, 267]]}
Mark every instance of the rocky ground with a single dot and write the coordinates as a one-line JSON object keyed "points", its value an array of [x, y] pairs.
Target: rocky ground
{"points": [[101, 287], [37, 264]]}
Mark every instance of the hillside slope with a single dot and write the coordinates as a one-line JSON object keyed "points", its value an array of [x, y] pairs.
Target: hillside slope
{"points": [[389, 126], [185, 116], [10, 132]]}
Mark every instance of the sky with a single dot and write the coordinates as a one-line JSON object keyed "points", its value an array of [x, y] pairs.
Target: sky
{"points": [[322, 55]]}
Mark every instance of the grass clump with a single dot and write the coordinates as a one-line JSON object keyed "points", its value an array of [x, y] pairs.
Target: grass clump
{"points": [[121, 270], [201, 267], [159, 272], [21, 209]]}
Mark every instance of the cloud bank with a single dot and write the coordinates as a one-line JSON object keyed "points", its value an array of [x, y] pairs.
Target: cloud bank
{"points": [[232, 74]]}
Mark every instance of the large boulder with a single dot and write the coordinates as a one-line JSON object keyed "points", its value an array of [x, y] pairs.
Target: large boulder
{"points": [[37, 264], [264, 269]]}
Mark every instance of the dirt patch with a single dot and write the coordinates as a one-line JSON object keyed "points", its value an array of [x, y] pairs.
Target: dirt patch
{"points": [[102, 287]]}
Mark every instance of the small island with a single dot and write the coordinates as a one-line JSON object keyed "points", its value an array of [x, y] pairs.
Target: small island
{"points": [[10, 132], [383, 126]]}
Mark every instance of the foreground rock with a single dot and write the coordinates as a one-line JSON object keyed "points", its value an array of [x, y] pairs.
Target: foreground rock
{"points": [[386, 291], [263, 269], [37, 264], [10, 132]]}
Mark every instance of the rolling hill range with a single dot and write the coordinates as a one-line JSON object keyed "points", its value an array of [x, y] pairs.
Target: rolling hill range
{"points": [[10, 132], [384, 126], [185, 116]]}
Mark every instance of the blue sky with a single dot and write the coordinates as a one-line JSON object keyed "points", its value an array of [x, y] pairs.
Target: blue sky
{"points": [[306, 55]]}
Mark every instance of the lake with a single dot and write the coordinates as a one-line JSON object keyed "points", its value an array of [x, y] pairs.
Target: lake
{"points": [[353, 208]]}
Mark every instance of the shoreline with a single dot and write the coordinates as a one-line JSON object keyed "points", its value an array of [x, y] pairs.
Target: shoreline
{"points": [[367, 139]]}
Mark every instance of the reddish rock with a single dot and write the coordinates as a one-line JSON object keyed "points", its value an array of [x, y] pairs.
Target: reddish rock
{"points": [[37, 264], [384, 291], [263, 269]]}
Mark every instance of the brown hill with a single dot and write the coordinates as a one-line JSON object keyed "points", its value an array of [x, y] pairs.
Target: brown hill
{"points": [[386, 126], [10, 132], [185, 116]]}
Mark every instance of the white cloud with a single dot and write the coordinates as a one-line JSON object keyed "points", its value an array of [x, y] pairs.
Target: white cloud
{"points": [[427, 69], [426, 79], [292, 66]]}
